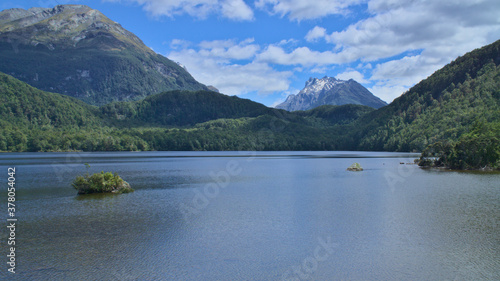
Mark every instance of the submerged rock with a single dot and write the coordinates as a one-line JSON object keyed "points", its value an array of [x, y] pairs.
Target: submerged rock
{"points": [[355, 167]]}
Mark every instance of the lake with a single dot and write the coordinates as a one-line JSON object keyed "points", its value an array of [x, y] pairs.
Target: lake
{"points": [[252, 216]]}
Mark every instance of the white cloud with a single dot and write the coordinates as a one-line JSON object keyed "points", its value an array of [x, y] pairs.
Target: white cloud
{"points": [[319, 69], [316, 33], [300, 56], [406, 70], [232, 9], [306, 9], [179, 44], [236, 10], [396, 76], [430, 33], [285, 42], [213, 64], [352, 74], [228, 49]]}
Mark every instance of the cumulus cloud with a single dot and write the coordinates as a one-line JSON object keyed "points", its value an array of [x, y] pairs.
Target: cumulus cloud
{"points": [[236, 10], [395, 45], [414, 25], [315, 33], [212, 63], [438, 31], [407, 69], [229, 49], [394, 77], [352, 74], [232, 9], [302, 56], [305, 9]]}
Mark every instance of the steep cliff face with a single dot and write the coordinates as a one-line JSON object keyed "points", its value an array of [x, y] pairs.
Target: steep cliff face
{"points": [[78, 51], [330, 91]]}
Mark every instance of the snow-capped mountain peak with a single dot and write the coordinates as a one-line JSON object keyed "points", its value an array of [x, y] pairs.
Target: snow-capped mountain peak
{"points": [[315, 85], [329, 90]]}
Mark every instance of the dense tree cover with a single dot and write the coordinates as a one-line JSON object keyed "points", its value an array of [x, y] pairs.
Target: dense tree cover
{"points": [[33, 120], [24, 105], [477, 149], [337, 115], [182, 108], [261, 133]]}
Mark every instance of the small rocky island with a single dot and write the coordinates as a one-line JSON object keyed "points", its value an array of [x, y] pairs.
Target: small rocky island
{"points": [[101, 183], [355, 167]]}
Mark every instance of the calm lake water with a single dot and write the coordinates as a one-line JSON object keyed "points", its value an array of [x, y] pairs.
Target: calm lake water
{"points": [[239, 216]]}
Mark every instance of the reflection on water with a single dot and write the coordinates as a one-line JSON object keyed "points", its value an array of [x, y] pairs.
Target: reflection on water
{"points": [[247, 216]]}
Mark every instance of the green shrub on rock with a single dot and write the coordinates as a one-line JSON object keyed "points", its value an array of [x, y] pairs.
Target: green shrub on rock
{"points": [[101, 183], [356, 167]]}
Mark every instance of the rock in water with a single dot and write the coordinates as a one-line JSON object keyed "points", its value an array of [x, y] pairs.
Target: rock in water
{"points": [[355, 167]]}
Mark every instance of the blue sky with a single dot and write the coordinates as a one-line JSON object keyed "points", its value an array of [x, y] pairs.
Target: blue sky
{"points": [[265, 50]]}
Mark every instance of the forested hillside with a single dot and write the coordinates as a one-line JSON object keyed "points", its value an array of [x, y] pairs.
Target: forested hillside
{"points": [[34, 120], [337, 115], [182, 108], [441, 107]]}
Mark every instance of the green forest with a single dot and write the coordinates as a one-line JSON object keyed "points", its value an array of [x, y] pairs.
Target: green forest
{"points": [[33, 120], [477, 149]]}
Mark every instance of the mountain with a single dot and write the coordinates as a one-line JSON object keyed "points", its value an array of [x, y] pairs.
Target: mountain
{"points": [[441, 108], [77, 51], [329, 90]]}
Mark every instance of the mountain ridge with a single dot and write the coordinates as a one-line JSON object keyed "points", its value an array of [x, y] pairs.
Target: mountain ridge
{"points": [[330, 91], [78, 51], [64, 26]]}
